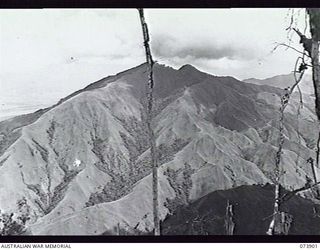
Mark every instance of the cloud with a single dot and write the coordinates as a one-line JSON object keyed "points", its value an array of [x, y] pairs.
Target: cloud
{"points": [[219, 41], [165, 46]]}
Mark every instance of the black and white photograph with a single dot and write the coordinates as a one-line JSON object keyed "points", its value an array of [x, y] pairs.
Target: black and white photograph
{"points": [[159, 122]]}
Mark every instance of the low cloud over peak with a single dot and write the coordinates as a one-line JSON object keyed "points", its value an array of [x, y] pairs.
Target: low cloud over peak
{"points": [[169, 46]]}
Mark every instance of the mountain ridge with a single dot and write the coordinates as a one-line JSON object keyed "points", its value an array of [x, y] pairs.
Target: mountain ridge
{"points": [[214, 132], [286, 80]]}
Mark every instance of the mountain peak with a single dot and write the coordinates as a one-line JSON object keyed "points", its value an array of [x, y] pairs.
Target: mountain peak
{"points": [[188, 67], [92, 153]]}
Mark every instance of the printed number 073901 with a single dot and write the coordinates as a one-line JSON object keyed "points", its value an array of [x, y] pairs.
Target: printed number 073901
{"points": [[308, 245]]}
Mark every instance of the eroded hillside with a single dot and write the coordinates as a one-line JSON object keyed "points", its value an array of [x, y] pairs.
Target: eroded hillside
{"points": [[84, 164]]}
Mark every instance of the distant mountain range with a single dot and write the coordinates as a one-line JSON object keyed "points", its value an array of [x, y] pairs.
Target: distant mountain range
{"points": [[83, 165], [284, 81]]}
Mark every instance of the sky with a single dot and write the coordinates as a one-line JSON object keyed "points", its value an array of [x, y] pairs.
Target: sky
{"points": [[46, 54]]}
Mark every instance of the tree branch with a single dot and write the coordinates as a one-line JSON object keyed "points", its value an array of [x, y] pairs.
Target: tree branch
{"points": [[288, 47], [306, 42], [289, 195]]}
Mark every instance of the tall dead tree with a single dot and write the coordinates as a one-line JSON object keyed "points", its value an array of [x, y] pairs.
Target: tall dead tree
{"points": [[229, 220], [152, 140], [311, 46], [284, 223], [314, 22], [281, 222], [284, 102], [311, 161], [274, 224]]}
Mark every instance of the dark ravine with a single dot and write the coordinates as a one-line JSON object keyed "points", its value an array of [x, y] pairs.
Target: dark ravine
{"points": [[253, 206]]}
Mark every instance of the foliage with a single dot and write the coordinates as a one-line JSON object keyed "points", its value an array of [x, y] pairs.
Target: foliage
{"points": [[15, 223], [181, 182]]}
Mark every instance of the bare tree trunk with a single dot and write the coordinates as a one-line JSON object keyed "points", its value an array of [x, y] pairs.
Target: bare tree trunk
{"points": [[149, 124], [312, 47], [316, 74], [281, 221], [311, 161], [278, 172], [275, 210], [229, 222], [316, 189], [314, 22], [318, 151]]}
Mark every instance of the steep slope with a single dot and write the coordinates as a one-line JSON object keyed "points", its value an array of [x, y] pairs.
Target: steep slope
{"points": [[84, 164]]}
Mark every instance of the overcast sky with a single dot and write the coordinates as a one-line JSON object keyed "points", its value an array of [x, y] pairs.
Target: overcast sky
{"points": [[53, 52]]}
